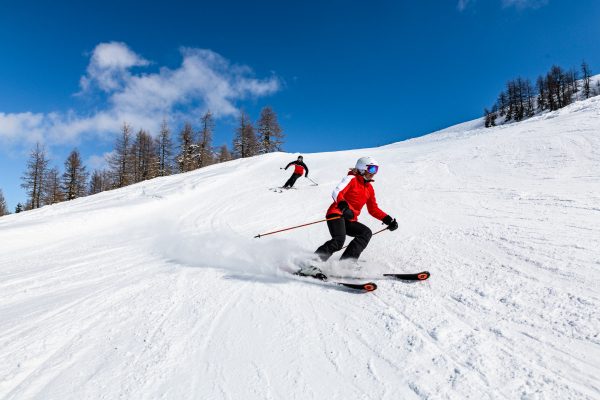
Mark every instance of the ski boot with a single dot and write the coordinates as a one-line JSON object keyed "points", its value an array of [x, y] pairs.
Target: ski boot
{"points": [[313, 272]]}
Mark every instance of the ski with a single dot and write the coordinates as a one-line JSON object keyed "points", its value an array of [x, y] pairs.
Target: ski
{"points": [[365, 287], [362, 286], [418, 276]]}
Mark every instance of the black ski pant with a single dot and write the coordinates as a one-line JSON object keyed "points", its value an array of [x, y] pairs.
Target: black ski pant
{"points": [[290, 182], [339, 228]]}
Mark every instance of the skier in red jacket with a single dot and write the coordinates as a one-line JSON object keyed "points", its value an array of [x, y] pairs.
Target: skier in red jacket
{"points": [[349, 197], [299, 168]]}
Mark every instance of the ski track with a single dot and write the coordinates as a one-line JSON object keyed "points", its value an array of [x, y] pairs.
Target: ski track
{"points": [[159, 291]]}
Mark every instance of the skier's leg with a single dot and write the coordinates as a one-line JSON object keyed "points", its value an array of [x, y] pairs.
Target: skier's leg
{"points": [[337, 229], [293, 179], [289, 182], [362, 235]]}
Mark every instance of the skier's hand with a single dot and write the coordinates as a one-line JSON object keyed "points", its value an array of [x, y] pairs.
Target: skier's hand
{"points": [[306, 175], [347, 212], [390, 222]]}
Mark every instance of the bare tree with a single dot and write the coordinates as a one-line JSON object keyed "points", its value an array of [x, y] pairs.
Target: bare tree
{"points": [[33, 179], [490, 116], [164, 150], [99, 182], [542, 98], [587, 74], [502, 103], [120, 160], [52, 187], [270, 134], [143, 156], [3, 206], [245, 143], [205, 153], [224, 154], [186, 159], [74, 182]]}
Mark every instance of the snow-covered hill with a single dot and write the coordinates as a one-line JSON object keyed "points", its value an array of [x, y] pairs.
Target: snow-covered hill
{"points": [[159, 290]]}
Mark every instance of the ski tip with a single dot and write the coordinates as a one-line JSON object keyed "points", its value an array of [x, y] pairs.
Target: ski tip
{"points": [[423, 275], [369, 287], [362, 287]]}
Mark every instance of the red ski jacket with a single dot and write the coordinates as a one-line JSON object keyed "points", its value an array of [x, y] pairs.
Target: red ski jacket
{"points": [[357, 192], [299, 167]]}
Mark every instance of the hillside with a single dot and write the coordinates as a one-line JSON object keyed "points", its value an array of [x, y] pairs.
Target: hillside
{"points": [[159, 290]]}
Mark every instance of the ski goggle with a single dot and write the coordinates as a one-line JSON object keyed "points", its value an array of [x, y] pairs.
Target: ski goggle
{"points": [[372, 169]]}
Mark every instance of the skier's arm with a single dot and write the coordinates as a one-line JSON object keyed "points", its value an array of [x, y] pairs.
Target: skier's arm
{"points": [[286, 167], [306, 168], [376, 212], [373, 208], [339, 193]]}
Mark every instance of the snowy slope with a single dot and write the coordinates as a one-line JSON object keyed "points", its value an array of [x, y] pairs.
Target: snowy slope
{"points": [[159, 290]]}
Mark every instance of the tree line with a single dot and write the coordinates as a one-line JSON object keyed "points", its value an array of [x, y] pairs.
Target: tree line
{"points": [[140, 156], [556, 89]]}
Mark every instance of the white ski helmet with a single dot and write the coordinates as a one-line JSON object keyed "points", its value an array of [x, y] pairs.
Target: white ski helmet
{"points": [[363, 162]]}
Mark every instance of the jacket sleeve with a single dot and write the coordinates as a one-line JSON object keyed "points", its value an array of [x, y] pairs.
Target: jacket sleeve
{"points": [[340, 190], [287, 166], [305, 167], [372, 206]]}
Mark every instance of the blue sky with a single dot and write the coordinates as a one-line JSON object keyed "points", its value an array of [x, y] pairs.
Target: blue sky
{"points": [[339, 74]]}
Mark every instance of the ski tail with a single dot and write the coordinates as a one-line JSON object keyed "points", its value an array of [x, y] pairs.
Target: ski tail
{"points": [[315, 273], [418, 276], [365, 287]]}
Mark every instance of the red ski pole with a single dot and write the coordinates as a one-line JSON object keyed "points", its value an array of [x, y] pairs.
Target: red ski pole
{"points": [[294, 227]]}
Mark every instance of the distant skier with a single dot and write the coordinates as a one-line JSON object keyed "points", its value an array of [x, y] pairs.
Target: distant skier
{"points": [[349, 197], [299, 168]]}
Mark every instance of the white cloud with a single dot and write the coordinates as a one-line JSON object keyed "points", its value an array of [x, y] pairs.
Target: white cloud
{"points": [[204, 80], [522, 4], [96, 162], [109, 66]]}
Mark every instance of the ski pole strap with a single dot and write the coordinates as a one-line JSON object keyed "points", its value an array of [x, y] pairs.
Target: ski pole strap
{"points": [[384, 229], [298, 226]]}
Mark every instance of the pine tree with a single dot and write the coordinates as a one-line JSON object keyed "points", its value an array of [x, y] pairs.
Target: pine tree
{"points": [[245, 143], [33, 179], [52, 188], [120, 160], [269, 132], [224, 154], [205, 152], [186, 158], [164, 150], [74, 178], [3, 206], [19, 208]]}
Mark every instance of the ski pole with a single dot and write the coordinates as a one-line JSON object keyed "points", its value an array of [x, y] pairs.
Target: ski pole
{"points": [[384, 229], [294, 227], [316, 184]]}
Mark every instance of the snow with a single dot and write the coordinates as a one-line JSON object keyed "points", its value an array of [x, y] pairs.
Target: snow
{"points": [[159, 290]]}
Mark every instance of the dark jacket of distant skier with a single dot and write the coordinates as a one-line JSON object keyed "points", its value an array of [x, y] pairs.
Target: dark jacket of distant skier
{"points": [[299, 168], [349, 197]]}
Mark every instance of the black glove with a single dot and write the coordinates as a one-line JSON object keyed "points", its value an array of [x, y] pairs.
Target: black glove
{"points": [[306, 175], [390, 222], [347, 213]]}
